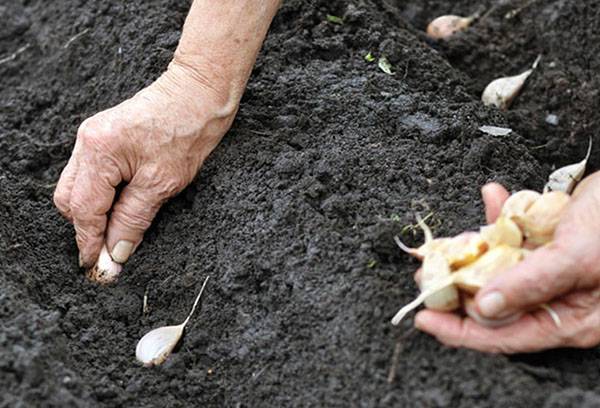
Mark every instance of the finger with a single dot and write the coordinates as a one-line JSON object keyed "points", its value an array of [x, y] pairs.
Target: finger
{"points": [[544, 275], [532, 332], [494, 196], [131, 217], [62, 194], [91, 198]]}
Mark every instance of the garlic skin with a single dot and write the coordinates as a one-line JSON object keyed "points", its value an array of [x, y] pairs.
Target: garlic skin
{"points": [[502, 91], [105, 270], [565, 178], [445, 26], [542, 217]]}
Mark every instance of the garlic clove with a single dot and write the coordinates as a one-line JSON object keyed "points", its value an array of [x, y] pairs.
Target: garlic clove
{"points": [[542, 217], [157, 344], [502, 91], [463, 249], [105, 270], [435, 269], [441, 285], [445, 26], [474, 276], [565, 178], [517, 205], [503, 231]]}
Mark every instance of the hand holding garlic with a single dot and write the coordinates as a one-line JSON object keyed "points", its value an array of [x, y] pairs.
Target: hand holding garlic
{"points": [[565, 274]]}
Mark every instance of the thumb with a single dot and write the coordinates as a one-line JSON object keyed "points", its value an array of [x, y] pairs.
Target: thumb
{"points": [[131, 216], [544, 275]]}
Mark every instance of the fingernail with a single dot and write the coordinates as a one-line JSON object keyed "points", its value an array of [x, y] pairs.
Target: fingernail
{"points": [[492, 304], [121, 251]]}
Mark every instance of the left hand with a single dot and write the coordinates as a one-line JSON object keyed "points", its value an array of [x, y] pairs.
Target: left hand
{"points": [[565, 274]]}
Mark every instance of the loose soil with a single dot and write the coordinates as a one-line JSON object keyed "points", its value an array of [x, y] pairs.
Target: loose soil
{"points": [[294, 213]]}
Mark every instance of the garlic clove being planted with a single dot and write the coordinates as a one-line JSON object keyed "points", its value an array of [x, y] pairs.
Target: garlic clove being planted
{"points": [[565, 178], [105, 270], [445, 26], [157, 344], [502, 91], [435, 269]]}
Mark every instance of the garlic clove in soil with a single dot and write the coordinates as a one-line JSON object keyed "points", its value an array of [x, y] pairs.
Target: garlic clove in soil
{"points": [[502, 91], [157, 344], [105, 270], [445, 26], [565, 178]]}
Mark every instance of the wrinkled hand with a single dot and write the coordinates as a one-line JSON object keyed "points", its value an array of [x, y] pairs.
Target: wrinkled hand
{"points": [[155, 142], [565, 274]]}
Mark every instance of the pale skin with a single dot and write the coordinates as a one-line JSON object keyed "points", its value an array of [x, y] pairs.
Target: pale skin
{"points": [[157, 141]]}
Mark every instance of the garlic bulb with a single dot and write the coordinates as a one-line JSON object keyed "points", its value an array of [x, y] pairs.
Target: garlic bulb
{"points": [[445, 26], [157, 344], [105, 270], [502, 91], [565, 178]]}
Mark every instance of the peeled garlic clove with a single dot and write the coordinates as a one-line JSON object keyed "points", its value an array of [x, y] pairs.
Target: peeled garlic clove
{"points": [[517, 205], [502, 91], [474, 276], [565, 178], [503, 231], [543, 216], [105, 270], [445, 26], [435, 269], [471, 311], [156, 345]]}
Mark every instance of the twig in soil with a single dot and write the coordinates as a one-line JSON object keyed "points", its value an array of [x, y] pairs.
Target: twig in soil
{"points": [[12, 247], [145, 301], [75, 37], [14, 54], [488, 13], [514, 12], [396, 356], [260, 133]]}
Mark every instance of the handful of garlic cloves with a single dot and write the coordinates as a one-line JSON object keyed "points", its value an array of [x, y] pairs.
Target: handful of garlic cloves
{"points": [[455, 268]]}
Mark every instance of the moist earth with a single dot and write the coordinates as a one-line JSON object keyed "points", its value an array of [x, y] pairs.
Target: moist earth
{"points": [[293, 215]]}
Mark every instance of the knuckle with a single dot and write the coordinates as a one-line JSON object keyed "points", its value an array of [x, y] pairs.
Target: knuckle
{"points": [[98, 133]]}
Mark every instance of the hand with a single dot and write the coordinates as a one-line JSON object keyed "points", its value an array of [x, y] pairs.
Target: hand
{"points": [[566, 275], [155, 142]]}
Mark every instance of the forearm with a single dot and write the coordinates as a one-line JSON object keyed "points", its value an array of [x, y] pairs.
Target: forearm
{"points": [[220, 42]]}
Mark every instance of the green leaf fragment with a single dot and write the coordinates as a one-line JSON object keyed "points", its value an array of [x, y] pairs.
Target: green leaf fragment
{"points": [[385, 65], [369, 57], [371, 264], [334, 19]]}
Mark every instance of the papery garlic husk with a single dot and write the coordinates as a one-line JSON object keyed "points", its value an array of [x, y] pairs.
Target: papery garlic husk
{"points": [[471, 311], [435, 269], [515, 206], [542, 217], [565, 178], [105, 270], [502, 91], [476, 275], [445, 26], [157, 344], [503, 231]]}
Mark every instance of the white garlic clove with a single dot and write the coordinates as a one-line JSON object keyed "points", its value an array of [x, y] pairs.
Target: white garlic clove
{"points": [[565, 178], [542, 217], [502, 91], [157, 344], [515, 207], [503, 231], [105, 270], [435, 269], [445, 26]]}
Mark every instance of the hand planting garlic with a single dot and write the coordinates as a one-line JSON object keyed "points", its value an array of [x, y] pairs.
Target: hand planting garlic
{"points": [[105, 270], [454, 269], [565, 178], [502, 91], [445, 26], [157, 344]]}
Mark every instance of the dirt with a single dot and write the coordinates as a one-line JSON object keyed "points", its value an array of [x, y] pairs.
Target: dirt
{"points": [[294, 213]]}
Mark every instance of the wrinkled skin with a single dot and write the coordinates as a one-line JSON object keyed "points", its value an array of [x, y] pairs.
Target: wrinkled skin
{"points": [[565, 274]]}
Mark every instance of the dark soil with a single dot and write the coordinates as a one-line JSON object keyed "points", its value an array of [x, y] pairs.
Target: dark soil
{"points": [[293, 215]]}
